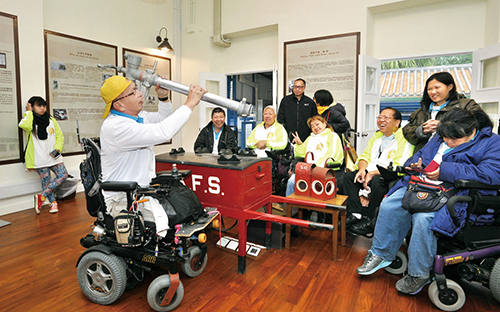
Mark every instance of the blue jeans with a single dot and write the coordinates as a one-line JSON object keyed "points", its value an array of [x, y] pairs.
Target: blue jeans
{"points": [[290, 186], [49, 187], [393, 224]]}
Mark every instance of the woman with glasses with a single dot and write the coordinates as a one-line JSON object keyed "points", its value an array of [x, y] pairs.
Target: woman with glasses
{"points": [[364, 187], [439, 96]]}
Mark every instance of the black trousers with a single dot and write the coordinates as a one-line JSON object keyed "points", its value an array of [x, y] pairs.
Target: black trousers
{"points": [[379, 187]]}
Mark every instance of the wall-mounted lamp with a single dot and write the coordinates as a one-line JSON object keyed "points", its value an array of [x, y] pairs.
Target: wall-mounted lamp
{"points": [[164, 45]]}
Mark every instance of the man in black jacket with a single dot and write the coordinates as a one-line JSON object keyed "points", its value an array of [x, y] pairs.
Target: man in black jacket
{"points": [[216, 136], [295, 109]]}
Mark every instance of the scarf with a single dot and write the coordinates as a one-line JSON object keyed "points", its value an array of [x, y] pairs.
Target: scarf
{"points": [[322, 109], [40, 123]]}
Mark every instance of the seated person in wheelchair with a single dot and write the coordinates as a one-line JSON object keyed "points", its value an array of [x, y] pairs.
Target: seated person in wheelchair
{"points": [[322, 144], [465, 148], [128, 135], [269, 135], [365, 187]]}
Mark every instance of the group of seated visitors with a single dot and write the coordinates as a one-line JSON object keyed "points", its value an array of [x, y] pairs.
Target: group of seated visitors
{"points": [[449, 136]]}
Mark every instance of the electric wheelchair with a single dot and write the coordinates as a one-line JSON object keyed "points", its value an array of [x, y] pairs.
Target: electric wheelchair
{"points": [[471, 255], [121, 250]]}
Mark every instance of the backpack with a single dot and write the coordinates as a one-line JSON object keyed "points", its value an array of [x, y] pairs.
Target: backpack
{"points": [[90, 172], [181, 205]]}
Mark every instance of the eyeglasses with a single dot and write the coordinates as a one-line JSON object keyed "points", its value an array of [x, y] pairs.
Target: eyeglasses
{"points": [[298, 87], [134, 91], [384, 118]]}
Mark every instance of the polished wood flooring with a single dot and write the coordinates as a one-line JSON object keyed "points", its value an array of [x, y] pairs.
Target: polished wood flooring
{"points": [[38, 254]]}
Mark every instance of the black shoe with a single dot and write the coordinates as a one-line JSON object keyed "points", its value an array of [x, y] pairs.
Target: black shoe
{"points": [[365, 227], [351, 220]]}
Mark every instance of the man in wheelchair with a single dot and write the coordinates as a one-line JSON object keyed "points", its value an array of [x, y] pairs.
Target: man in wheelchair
{"points": [[128, 135], [464, 148]]}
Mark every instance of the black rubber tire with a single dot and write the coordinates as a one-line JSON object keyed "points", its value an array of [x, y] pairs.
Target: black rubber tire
{"points": [[189, 266], [102, 277], [399, 265], [158, 288], [447, 306], [495, 280]]}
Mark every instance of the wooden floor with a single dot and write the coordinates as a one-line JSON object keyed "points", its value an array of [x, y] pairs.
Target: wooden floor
{"points": [[38, 254]]}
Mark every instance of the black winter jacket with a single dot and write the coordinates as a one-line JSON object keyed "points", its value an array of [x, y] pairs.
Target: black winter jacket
{"points": [[335, 116], [228, 139], [293, 115]]}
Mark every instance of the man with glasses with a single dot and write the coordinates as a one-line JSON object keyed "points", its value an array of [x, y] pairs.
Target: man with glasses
{"points": [[295, 109], [128, 134], [364, 187]]}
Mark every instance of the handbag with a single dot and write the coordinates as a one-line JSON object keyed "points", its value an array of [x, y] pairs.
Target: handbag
{"points": [[350, 155], [422, 196]]}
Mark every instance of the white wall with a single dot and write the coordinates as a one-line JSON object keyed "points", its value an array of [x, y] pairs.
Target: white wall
{"points": [[257, 30], [129, 24]]}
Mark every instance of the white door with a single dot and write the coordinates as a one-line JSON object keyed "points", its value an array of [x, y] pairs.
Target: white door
{"points": [[215, 84], [368, 100], [485, 88]]}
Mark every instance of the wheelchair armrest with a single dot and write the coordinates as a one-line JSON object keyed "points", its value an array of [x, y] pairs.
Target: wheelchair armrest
{"points": [[451, 206], [476, 185], [168, 173], [123, 186], [333, 165]]}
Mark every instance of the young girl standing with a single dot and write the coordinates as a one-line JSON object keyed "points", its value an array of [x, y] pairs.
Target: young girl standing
{"points": [[43, 152]]}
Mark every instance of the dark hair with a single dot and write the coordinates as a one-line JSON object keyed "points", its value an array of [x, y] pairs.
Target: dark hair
{"points": [[300, 80], [445, 78], [459, 123], [396, 115], [323, 97], [38, 100], [218, 110]]}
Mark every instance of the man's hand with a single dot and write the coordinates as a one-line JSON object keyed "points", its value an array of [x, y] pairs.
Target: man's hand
{"points": [[162, 93], [261, 144], [194, 96]]}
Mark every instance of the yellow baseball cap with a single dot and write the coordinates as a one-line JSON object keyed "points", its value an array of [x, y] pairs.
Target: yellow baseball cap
{"points": [[111, 88]]}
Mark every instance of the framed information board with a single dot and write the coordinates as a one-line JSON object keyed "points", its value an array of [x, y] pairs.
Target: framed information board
{"points": [[73, 81], [329, 63], [11, 146]]}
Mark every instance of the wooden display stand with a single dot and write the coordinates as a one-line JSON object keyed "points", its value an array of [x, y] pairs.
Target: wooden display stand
{"points": [[333, 207]]}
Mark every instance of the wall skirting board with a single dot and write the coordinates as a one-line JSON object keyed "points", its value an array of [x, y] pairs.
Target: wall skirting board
{"points": [[19, 196]]}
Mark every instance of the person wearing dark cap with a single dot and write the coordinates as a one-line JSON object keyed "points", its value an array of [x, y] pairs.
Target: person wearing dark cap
{"points": [[128, 134]]}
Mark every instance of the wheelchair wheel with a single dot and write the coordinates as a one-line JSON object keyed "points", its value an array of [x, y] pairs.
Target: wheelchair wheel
{"points": [[495, 280], [102, 277], [399, 265], [190, 266], [454, 302], [157, 290]]}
